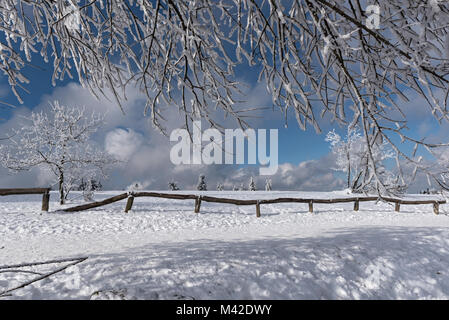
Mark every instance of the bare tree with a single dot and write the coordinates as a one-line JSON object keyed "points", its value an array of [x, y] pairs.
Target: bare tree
{"points": [[58, 142], [317, 57]]}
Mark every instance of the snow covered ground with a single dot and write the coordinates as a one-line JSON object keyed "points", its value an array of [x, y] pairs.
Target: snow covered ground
{"points": [[162, 250]]}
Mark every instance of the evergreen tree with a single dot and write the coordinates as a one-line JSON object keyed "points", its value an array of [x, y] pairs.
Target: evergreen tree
{"points": [[89, 185], [173, 186], [201, 183], [252, 185], [268, 185]]}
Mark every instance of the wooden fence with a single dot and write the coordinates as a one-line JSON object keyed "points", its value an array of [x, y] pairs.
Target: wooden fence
{"points": [[44, 191], [203, 198]]}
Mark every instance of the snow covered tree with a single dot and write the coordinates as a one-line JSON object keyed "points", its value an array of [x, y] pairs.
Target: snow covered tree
{"points": [[137, 186], [219, 187], [58, 141], [341, 58], [352, 158], [234, 188], [88, 187], [252, 185], [89, 184], [173, 186], [348, 152], [201, 186], [268, 185]]}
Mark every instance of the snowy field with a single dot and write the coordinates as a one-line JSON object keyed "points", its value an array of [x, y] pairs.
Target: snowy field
{"points": [[163, 250]]}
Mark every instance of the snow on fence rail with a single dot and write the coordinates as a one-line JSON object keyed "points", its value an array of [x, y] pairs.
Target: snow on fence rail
{"points": [[44, 191], [199, 198]]}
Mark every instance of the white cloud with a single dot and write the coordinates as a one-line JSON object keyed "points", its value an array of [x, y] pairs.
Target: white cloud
{"points": [[311, 175], [123, 143]]}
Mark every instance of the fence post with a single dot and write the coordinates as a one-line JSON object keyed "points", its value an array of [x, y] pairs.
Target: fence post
{"points": [[257, 209], [45, 201], [197, 204], [397, 206], [129, 203], [436, 208], [356, 205], [311, 206]]}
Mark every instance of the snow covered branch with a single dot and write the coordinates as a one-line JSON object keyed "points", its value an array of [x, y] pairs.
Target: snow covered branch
{"points": [[316, 57]]}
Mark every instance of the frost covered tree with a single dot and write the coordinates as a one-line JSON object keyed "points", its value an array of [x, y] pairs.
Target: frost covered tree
{"points": [[252, 185], [173, 186], [137, 186], [59, 142], [219, 186], [201, 186], [89, 184], [268, 185], [348, 152], [88, 187], [352, 158], [343, 58]]}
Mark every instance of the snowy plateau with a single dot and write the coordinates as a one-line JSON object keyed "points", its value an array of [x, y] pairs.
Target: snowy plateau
{"points": [[161, 249]]}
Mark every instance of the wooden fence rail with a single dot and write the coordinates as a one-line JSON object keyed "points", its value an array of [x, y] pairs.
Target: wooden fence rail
{"points": [[97, 203], [200, 198], [44, 191]]}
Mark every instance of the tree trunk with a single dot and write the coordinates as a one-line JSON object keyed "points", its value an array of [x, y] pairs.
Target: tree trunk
{"points": [[348, 156], [61, 187]]}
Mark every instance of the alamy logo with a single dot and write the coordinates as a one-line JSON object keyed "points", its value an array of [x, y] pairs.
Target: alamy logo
{"points": [[373, 17], [212, 153]]}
